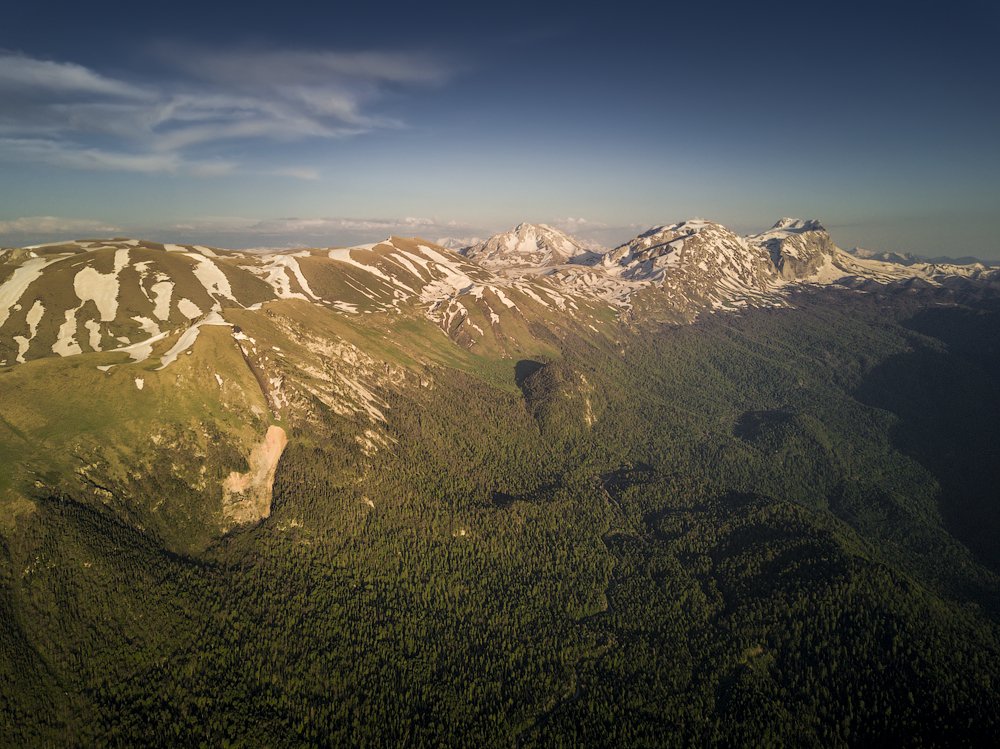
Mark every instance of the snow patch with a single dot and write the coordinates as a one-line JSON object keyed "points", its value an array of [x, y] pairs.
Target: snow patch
{"points": [[149, 327], [162, 291], [94, 328], [101, 288], [278, 267], [189, 309], [142, 350], [14, 287], [289, 263], [66, 344], [33, 317], [211, 277], [344, 256], [503, 298]]}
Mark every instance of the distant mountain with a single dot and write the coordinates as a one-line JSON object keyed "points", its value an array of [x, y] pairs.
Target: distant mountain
{"points": [[457, 243], [901, 258], [699, 264], [528, 245], [906, 258], [803, 251]]}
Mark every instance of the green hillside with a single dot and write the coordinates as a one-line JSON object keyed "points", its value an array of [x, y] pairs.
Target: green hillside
{"points": [[769, 527]]}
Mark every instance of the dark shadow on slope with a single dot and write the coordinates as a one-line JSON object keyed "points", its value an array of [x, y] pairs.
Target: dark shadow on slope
{"points": [[543, 493], [753, 425], [524, 369], [948, 404], [616, 482]]}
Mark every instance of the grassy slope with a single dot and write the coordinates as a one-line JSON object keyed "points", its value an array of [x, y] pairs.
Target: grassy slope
{"points": [[59, 415], [64, 416]]}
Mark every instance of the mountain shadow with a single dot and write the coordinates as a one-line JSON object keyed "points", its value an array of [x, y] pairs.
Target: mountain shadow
{"points": [[947, 399]]}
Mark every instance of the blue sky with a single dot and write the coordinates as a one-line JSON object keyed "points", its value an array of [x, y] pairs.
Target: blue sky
{"points": [[293, 124]]}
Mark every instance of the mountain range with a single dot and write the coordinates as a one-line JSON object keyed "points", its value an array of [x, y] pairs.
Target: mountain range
{"points": [[284, 329], [128, 295], [523, 491]]}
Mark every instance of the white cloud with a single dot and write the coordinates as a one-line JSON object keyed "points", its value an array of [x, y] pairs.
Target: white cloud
{"points": [[236, 232], [378, 227], [39, 225], [295, 231], [22, 73], [66, 154], [67, 115]]}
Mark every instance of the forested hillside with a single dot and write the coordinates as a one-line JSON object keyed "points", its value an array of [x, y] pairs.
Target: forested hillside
{"points": [[770, 527]]}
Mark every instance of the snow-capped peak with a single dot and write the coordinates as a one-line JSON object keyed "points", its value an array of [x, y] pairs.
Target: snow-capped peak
{"points": [[797, 225], [527, 244], [457, 243]]}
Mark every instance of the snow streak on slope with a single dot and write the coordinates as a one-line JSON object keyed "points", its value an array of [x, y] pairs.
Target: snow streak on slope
{"points": [[33, 317], [14, 287], [211, 277], [282, 272], [188, 337]]}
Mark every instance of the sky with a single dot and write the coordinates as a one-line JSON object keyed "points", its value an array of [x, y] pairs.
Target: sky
{"points": [[306, 124]]}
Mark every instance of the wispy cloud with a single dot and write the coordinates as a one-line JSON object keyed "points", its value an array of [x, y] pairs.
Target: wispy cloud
{"points": [[27, 74], [63, 153], [277, 67], [236, 231], [67, 115], [292, 227]]}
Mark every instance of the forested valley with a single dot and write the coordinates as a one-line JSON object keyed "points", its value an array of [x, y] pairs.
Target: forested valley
{"points": [[776, 527]]}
